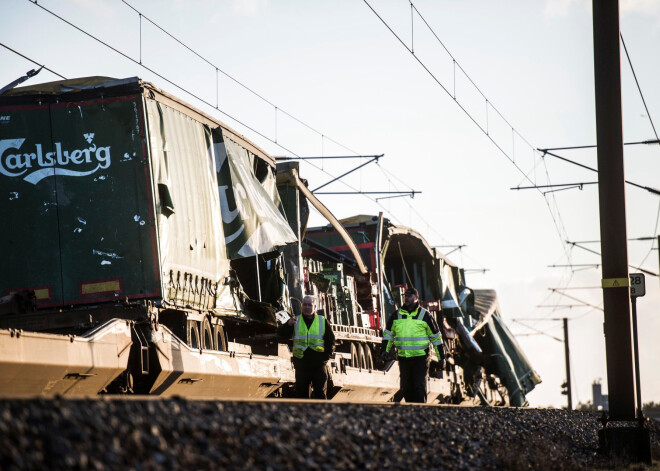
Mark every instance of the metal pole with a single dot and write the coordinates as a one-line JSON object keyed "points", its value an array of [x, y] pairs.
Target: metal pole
{"points": [[611, 197], [636, 347], [375, 159], [569, 391], [379, 264], [256, 259]]}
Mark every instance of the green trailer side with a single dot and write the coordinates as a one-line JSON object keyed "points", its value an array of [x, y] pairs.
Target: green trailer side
{"points": [[78, 202]]}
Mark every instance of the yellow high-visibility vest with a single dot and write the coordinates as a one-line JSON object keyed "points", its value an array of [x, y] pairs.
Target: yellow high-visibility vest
{"points": [[304, 338], [411, 334]]}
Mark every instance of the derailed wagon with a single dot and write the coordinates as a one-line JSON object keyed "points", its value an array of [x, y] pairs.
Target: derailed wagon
{"points": [[159, 243], [485, 363]]}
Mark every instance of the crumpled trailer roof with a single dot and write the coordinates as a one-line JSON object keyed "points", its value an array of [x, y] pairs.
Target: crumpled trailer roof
{"points": [[96, 86]]}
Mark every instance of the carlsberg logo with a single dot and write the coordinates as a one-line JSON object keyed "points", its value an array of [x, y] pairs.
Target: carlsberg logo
{"points": [[36, 164]]}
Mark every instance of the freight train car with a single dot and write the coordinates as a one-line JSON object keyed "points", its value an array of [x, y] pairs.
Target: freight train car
{"points": [[149, 248], [478, 344], [122, 203]]}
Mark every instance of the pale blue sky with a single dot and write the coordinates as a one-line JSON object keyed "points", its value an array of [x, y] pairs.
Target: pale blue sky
{"points": [[335, 66]]}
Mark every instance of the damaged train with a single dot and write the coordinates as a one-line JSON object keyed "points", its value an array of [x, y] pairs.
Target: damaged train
{"points": [[151, 248]]}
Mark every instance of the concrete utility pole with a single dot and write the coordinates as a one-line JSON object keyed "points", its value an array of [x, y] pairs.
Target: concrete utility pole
{"points": [[611, 197], [632, 442]]}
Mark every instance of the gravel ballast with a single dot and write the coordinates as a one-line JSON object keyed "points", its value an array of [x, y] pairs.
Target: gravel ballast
{"points": [[111, 433]]}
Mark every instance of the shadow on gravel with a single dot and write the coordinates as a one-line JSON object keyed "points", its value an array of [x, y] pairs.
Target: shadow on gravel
{"points": [[536, 454], [547, 453]]}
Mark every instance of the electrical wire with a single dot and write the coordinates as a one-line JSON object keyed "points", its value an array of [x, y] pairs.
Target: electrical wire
{"points": [[540, 332], [33, 61], [238, 82], [639, 88], [467, 113]]}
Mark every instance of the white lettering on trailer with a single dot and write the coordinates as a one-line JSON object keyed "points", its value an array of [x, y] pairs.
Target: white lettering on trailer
{"points": [[39, 164]]}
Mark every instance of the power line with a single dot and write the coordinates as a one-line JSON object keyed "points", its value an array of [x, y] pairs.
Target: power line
{"points": [[488, 103], [575, 299], [593, 146], [560, 306], [400, 193], [539, 332], [467, 113], [639, 88], [328, 157], [180, 87], [578, 287], [238, 82], [375, 159], [633, 239], [33, 61], [647, 188], [575, 244], [573, 265]]}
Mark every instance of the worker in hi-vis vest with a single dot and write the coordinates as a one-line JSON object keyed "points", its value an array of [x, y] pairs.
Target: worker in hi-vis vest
{"points": [[411, 330], [313, 345]]}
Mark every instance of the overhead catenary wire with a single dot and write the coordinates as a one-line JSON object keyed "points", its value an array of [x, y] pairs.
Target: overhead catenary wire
{"points": [[647, 188], [648, 114], [467, 113], [33, 61], [180, 87], [575, 244], [537, 331], [576, 299], [639, 88], [593, 146], [238, 82], [557, 220]]}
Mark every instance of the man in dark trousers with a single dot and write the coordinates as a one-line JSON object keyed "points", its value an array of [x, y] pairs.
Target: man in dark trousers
{"points": [[313, 345], [411, 330]]}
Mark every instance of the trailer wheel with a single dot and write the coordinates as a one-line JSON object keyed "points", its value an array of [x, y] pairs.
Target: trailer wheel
{"points": [[354, 356], [193, 334], [219, 338], [368, 358], [361, 357], [207, 335]]}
